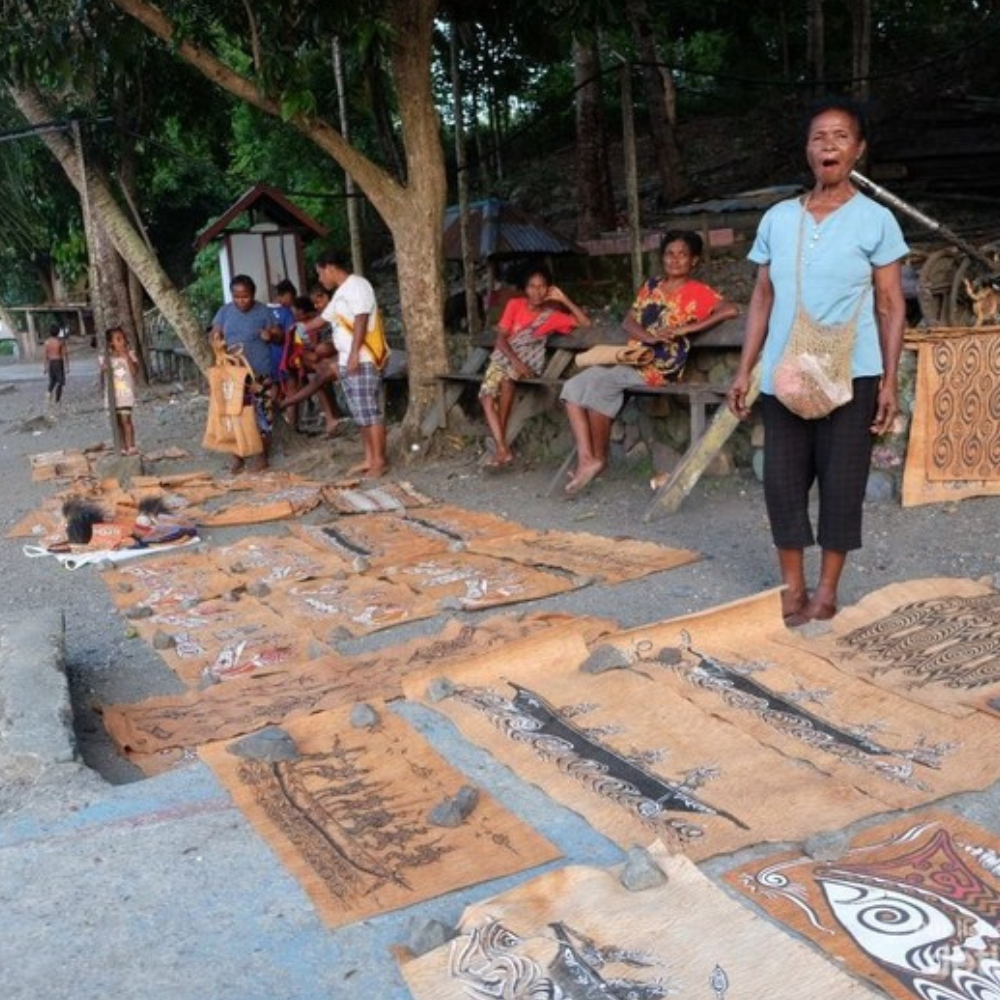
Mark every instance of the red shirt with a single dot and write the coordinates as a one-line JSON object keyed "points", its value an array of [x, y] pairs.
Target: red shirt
{"points": [[517, 316]]}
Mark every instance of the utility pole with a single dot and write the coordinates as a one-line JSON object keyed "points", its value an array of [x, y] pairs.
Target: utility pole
{"points": [[96, 301]]}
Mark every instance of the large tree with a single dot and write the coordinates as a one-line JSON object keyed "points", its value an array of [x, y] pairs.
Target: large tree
{"points": [[263, 58]]}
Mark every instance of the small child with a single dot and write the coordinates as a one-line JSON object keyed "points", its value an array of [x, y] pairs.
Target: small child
{"points": [[124, 366]]}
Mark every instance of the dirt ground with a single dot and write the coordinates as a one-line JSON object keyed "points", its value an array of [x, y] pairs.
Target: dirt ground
{"points": [[723, 519]]}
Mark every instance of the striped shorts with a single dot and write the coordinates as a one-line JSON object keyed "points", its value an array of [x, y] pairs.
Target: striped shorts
{"points": [[363, 391]]}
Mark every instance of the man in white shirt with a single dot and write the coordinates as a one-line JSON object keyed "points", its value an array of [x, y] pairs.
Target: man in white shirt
{"points": [[353, 315]]}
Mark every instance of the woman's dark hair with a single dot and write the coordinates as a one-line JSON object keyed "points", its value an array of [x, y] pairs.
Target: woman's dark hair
{"points": [[529, 272], [832, 102], [246, 281], [694, 242], [303, 303], [336, 258], [115, 329]]}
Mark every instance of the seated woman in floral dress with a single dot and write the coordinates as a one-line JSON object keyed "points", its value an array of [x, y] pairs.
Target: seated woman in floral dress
{"points": [[667, 311]]}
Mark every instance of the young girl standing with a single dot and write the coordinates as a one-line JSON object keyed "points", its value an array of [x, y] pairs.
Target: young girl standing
{"points": [[124, 365]]}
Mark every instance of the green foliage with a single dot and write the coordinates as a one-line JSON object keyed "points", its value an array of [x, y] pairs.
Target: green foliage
{"points": [[205, 292], [69, 257], [194, 149]]}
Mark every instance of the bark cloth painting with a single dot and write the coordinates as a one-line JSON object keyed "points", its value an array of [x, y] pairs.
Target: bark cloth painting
{"points": [[350, 814], [244, 704], [708, 733], [934, 641], [578, 934], [912, 905], [954, 444]]}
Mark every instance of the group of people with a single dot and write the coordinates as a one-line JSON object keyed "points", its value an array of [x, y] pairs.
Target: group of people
{"points": [[291, 359], [831, 258]]}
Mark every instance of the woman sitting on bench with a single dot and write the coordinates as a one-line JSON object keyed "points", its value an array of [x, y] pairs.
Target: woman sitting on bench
{"points": [[526, 324], [666, 312]]}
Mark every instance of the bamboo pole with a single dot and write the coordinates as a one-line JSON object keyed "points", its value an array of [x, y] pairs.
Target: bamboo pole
{"points": [[684, 478]]}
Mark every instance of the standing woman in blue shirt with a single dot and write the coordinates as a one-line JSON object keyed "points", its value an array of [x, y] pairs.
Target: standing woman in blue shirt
{"points": [[246, 323], [841, 253]]}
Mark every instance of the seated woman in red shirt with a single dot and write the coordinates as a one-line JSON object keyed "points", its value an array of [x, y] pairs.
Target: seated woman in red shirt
{"points": [[526, 324]]}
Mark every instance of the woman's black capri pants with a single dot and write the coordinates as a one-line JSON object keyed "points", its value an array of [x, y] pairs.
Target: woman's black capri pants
{"points": [[834, 452]]}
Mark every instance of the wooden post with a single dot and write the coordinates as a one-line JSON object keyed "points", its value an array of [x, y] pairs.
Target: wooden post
{"points": [[631, 177], [684, 478], [353, 221], [462, 173]]}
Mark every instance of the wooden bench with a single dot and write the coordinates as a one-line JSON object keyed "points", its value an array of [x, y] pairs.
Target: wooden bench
{"points": [[699, 395], [544, 390]]}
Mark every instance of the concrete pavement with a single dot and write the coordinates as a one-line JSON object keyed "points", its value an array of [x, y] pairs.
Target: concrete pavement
{"points": [[160, 889]]}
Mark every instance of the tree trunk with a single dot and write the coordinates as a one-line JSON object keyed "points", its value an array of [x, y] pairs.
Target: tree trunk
{"points": [[417, 224], [119, 229], [595, 198], [413, 212], [127, 173], [462, 183], [815, 42], [669, 162], [861, 48]]}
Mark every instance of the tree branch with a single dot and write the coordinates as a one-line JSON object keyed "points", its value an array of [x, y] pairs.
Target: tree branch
{"points": [[254, 37], [384, 192]]}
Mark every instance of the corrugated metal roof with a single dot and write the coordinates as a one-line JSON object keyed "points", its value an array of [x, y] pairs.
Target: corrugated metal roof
{"points": [[499, 229]]}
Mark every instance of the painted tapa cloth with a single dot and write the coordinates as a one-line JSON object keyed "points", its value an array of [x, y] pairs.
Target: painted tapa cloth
{"points": [[912, 905], [463, 526], [953, 450], [578, 933], [338, 609], [374, 540], [45, 526], [292, 500], [708, 733], [354, 498], [271, 560], [167, 582], [181, 489], [611, 560], [936, 641], [633, 756], [350, 818], [898, 752], [63, 464], [222, 711], [218, 640], [468, 582]]}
